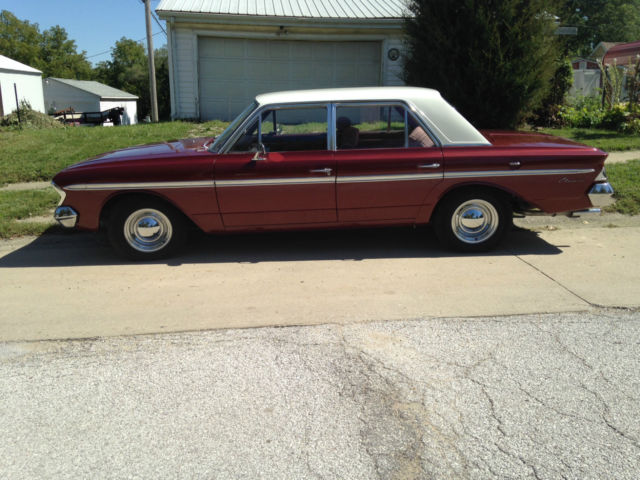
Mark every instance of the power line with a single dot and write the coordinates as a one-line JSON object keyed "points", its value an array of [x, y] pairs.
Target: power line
{"points": [[111, 49], [159, 24], [140, 40]]}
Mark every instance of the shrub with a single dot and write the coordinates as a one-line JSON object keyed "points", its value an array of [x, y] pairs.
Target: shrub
{"points": [[28, 118], [613, 118], [585, 112]]}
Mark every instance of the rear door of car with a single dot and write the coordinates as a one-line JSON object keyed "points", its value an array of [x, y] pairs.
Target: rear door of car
{"points": [[291, 182], [387, 163]]}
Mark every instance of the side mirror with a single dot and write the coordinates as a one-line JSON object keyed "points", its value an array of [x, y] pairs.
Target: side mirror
{"points": [[261, 154]]}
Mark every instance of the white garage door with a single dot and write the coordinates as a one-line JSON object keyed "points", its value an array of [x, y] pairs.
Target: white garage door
{"points": [[233, 71]]}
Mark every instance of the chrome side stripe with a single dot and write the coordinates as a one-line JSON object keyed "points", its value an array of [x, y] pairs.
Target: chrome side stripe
{"points": [[139, 185], [260, 182], [518, 173], [321, 180], [389, 178]]}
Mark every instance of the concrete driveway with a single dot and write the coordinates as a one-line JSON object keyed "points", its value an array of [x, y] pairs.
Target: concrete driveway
{"points": [[72, 286]]}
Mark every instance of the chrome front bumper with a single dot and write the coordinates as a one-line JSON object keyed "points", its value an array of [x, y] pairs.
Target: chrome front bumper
{"points": [[66, 216]]}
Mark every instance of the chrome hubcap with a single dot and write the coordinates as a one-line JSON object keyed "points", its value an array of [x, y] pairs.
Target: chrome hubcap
{"points": [[147, 230], [475, 221]]}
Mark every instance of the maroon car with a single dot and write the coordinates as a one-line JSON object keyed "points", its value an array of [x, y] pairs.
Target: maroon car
{"points": [[332, 158]]}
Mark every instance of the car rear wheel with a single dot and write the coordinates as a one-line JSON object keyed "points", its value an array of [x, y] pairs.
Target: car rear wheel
{"points": [[146, 229], [472, 221]]}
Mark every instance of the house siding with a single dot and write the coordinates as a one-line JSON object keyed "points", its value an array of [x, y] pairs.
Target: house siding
{"points": [[392, 69], [130, 115], [185, 72], [29, 86], [59, 96], [184, 37]]}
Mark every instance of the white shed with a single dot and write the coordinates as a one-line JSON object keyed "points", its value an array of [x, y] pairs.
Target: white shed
{"points": [[28, 84], [88, 96], [221, 53]]}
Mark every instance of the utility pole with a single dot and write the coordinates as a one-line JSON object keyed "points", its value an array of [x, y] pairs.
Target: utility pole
{"points": [[152, 65]]}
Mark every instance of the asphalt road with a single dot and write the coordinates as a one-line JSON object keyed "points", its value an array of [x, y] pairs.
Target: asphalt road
{"points": [[399, 360], [536, 396]]}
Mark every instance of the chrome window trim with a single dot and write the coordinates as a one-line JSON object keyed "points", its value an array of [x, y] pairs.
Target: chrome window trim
{"points": [[257, 114], [391, 103], [255, 105], [417, 114], [331, 119]]}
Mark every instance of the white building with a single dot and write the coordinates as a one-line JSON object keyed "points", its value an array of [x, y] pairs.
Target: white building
{"points": [[88, 96], [28, 84], [222, 53]]}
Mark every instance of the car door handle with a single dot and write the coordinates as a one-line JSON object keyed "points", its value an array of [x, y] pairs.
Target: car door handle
{"points": [[322, 170], [429, 165]]}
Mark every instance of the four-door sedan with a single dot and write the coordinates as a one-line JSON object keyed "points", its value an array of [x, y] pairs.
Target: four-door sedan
{"points": [[332, 158]]}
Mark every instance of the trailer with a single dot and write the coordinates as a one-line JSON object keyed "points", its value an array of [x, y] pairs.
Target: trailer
{"points": [[69, 116]]}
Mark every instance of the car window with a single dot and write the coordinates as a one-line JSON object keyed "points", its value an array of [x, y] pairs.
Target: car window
{"points": [[378, 126], [224, 136], [285, 130]]}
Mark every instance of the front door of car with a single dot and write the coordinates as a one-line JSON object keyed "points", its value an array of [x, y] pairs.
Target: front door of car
{"points": [[387, 163], [279, 171]]}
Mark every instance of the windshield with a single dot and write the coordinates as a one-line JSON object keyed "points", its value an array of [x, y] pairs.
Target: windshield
{"points": [[224, 136]]}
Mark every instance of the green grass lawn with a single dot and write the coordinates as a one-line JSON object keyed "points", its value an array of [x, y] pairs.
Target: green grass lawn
{"points": [[34, 155], [606, 140], [625, 180], [21, 205]]}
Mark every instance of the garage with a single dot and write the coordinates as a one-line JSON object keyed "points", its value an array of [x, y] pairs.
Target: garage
{"points": [[233, 71], [221, 54]]}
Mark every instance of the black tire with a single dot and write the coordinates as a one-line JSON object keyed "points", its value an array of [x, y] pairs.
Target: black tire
{"points": [[472, 221], [145, 228]]}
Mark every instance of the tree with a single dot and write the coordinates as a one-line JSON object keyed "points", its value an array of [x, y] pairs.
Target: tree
{"points": [[50, 51], [19, 40], [601, 21], [128, 70], [161, 56], [492, 59], [59, 58]]}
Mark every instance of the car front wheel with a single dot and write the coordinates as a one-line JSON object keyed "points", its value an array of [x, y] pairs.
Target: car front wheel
{"points": [[146, 229], [473, 221]]}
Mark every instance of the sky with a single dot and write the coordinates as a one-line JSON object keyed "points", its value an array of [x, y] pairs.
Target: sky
{"points": [[95, 25]]}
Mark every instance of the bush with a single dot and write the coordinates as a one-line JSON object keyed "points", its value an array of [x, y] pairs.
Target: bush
{"points": [[28, 118], [586, 112], [631, 126], [614, 118]]}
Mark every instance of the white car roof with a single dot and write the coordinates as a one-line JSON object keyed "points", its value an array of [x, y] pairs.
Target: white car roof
{"points": [[443, 120]]}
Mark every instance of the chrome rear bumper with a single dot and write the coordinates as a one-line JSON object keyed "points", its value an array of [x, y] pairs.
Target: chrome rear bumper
{"points": [[601, 195]]}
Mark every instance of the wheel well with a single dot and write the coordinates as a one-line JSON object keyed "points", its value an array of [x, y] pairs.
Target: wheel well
{"points": [[107, 208], [510, 199]]}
